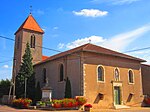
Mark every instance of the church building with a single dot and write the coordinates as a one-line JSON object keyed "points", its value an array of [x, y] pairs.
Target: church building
{"points": [[106, 78]]}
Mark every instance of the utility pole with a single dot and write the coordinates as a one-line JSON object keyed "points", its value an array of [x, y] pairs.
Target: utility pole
{"points": [[12, 85], [14, 78]]}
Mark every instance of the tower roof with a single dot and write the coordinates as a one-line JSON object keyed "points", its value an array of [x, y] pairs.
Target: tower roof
{"points": [[30, 24]]}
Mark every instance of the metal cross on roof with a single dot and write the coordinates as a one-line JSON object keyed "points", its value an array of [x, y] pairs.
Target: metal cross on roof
{"points": [[30, 9]]}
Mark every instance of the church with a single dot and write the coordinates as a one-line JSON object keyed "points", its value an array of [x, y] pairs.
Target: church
{"points": [[108, 79]]}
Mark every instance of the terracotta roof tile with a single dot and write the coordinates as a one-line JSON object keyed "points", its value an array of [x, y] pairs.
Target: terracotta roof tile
{"points": [[30, 24], [94, 49], [102, 50], [44, 58]]}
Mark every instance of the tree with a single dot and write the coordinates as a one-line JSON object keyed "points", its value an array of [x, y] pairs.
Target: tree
{"points": [[38, 93], [26, 72], [4, 87], [68, 89]]}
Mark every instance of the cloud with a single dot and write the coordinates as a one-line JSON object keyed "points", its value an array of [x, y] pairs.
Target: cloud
{"points": [[90, 13], [5, 66], [5, 73], [54, 35], [61, 45], [55, 28], [94, 39], [114, 2], [121, 41], [121, 2], [96, 1], [143, 54], [44, 29], [39, 12], [118, 42]]}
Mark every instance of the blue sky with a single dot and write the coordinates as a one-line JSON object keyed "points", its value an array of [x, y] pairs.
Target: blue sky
{"points": [[121, 25]]}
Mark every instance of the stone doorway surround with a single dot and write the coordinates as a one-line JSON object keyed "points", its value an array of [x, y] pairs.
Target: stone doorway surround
{"points": [[117, 84]]}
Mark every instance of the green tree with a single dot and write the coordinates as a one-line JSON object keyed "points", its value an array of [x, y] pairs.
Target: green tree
{"points": [[38, 93], [26, 72], [68, 93], [4, 87]]}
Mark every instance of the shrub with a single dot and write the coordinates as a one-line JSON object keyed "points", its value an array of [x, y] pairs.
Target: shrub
{"points": [[147, 100], [81, 100], [69, 102], [22, 103], [88, 105]]}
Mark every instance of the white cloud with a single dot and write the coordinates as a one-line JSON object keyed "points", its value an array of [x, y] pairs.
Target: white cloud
{"points": [[120, 2], [96, 1], [39, 12], [5, 66], [90, 13], [55, 28], [143, 54], [54, 35], [61, 45], [118, 42], [114, 2], [43, 29], [94, 39], [5, 73]]}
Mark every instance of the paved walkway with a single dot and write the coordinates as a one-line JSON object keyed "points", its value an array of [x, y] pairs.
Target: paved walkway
{"points": [[4, 108], [133, 109]]}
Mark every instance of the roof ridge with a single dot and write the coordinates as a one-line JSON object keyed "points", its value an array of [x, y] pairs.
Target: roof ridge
{"points": [[115, 53], [92, 48]]}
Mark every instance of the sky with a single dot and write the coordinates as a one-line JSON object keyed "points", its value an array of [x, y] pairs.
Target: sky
{"points": [[120, 25]]}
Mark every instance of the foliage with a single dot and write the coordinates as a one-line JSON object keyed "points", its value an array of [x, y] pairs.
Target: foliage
{"points": [[4, 87], [68, 89], [22, 103], [42, 103], [147, 100], [81, 100], [26, 72], [68, 102], [88, 105], [38, 92]]}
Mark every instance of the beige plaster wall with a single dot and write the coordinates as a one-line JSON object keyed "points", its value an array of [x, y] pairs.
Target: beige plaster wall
{"points": [[71, 70], [92, 87]]}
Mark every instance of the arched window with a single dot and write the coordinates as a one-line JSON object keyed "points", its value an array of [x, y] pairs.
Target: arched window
{"points": [[32, 44], [100, 73], [44, 75], [130, 76], [61, 72], [117, 75]]}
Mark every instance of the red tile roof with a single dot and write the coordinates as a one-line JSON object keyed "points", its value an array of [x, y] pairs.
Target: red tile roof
{"points": [[146, 65], [30, 24], [92, 48], [44, 58]]}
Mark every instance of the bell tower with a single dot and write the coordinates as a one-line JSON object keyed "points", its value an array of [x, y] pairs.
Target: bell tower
{"points": [[29, 32]]}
